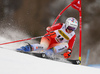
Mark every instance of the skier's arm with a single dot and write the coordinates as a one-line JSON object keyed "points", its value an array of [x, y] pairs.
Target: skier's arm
{"points": [[54, 27], [70, 44]]}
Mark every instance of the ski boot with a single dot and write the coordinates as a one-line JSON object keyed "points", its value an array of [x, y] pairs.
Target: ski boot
{"points": [[26, 48]]}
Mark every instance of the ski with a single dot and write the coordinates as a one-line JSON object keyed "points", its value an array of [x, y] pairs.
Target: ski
{"points": [[43, 55], [74, 61]]}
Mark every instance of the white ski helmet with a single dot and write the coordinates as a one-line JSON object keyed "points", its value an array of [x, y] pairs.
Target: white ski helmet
{"points": [[71, 23]]}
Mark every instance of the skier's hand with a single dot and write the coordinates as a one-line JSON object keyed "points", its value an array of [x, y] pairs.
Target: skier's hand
{"points": [[48, 29], [67, 54]]}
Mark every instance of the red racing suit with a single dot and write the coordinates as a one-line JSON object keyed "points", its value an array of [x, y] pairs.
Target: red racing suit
{"points": [[61, 33]]}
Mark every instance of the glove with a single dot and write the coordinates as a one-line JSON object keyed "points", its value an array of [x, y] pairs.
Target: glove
{"points": [[48, 29], [67, 54]]}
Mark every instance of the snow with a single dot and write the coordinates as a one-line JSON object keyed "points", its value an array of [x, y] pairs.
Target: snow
{"points": [[12, 62], [94, 65]]}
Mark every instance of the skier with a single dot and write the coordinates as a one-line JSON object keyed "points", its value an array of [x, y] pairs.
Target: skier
{"points": [[62, 37]]}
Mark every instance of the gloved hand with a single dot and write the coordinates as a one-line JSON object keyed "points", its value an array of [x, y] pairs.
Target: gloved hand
{"points": [[67, 54], [48, 29]]}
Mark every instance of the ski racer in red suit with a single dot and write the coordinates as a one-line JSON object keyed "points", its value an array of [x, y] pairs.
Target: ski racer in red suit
{"points": [[62, 38]]}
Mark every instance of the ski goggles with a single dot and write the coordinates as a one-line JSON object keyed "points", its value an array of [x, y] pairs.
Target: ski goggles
{"points": [[70, 28]]}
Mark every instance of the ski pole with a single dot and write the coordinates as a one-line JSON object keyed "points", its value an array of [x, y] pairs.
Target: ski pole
{"points": [[23, 40], [52, 34]]}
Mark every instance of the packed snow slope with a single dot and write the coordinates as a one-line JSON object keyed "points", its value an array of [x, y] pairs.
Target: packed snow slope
{"points": [[12, 62]]}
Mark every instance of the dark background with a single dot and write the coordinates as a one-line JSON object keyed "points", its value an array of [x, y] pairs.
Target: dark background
{"points": [[33, 16]]}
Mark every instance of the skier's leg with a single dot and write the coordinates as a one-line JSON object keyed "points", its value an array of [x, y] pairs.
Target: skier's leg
{"points": [[44, 43], [47, 41], [60, 48], [33, 47]]}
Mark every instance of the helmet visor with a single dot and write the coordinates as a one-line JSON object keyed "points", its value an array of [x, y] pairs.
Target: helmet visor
{"points": [[70, 28]]}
